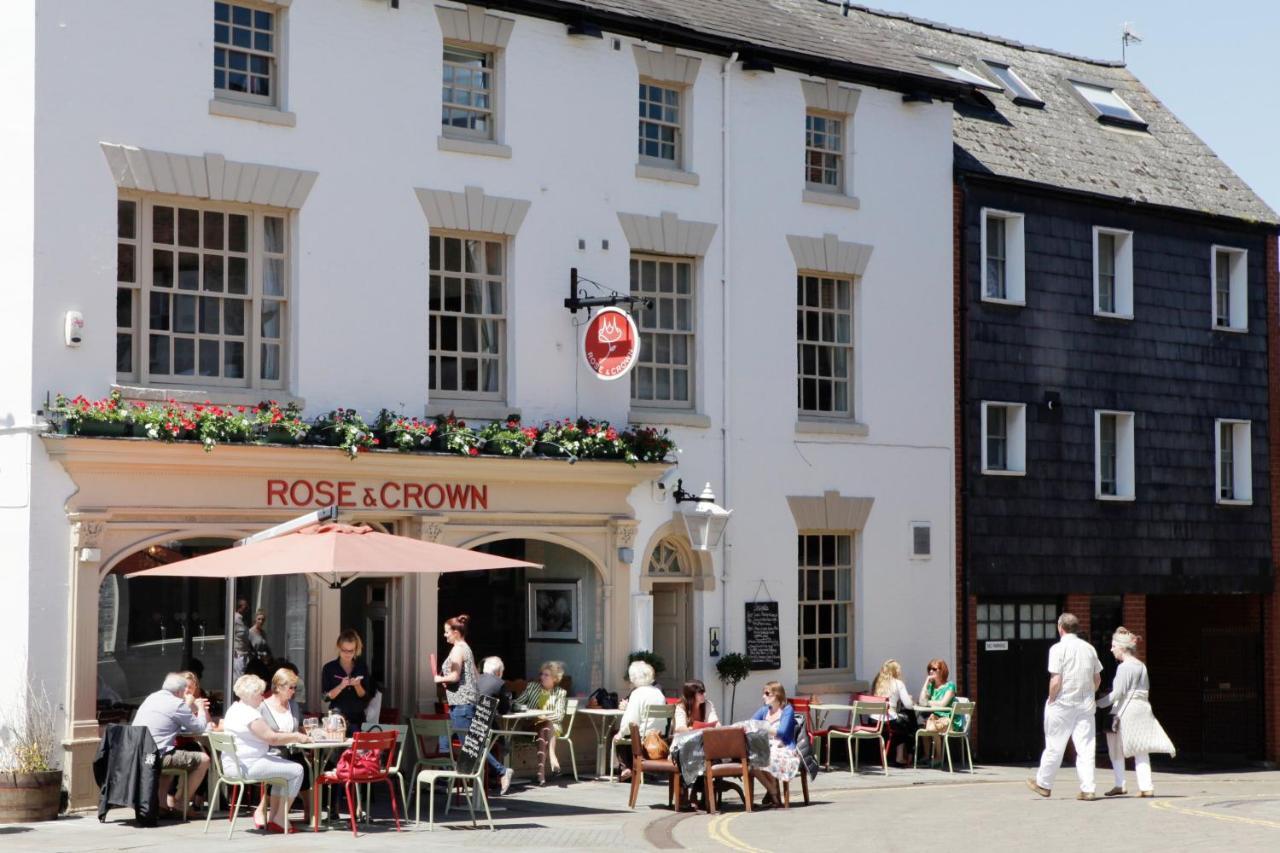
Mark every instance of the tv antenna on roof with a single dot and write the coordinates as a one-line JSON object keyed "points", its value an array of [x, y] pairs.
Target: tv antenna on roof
{"points": [[1128, 37]]}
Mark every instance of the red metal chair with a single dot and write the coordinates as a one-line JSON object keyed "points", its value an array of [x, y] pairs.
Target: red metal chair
{"points": [[382, 746], [673, 700]]}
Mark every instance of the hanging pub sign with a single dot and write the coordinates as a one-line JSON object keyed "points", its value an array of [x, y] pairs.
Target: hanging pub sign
{"points": [[611, 344], [764, 640]]}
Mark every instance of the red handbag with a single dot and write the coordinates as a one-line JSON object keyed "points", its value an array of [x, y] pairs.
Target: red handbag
{"points": [[358, 764]]}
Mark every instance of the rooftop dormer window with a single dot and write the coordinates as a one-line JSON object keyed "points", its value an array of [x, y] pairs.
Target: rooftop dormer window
{"points": [[964, 75], [1014, 86], [1109, 107]]}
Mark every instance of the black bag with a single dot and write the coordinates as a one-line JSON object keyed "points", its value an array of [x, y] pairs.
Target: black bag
{"points": [[602, 698]]}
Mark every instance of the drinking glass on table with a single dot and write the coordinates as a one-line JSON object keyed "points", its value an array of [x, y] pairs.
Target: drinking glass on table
{"points": [[309, 725]]}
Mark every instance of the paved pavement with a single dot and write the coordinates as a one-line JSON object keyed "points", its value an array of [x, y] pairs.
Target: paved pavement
{"points": [[991, 811]]}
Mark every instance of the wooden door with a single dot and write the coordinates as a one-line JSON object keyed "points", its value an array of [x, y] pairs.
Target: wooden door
{"points": [[671, 634]]}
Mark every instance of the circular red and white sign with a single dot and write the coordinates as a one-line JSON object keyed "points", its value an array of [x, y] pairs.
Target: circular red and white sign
{"points": [[611, 344]]}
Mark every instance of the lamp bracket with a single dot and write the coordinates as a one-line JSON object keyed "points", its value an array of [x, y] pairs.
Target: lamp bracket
{"points": [[578, 298], [680, 496]]}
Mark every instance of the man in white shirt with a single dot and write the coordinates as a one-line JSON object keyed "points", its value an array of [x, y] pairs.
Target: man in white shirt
{"points": [[1074, 675]]}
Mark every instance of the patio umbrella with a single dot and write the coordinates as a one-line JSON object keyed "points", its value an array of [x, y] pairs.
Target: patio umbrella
{"points": [[333, 552], [336, 554]]}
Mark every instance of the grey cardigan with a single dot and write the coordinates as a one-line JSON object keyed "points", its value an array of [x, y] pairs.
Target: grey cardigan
{"points": [[294, 708], [1131, 675]]}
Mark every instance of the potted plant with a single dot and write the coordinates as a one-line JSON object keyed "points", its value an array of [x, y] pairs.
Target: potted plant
{"points": [[454, 436], [82, 416], [30, 784], [654, 660], [732, 669], [343, 428], [280, 425], [506, 437]]}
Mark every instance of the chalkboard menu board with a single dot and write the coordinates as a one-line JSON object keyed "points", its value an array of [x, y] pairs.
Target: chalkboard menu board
{"points": [[475, 744], [764, 642]]}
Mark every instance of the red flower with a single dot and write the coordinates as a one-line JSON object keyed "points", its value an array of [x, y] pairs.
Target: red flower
{"points": [[376, 442], [612, 434], [240, 409], [431, 429], [473, 451]]}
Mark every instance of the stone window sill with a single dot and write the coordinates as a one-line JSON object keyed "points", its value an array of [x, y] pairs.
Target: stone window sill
{"points": [[252, 112], [1234, 330], [664, 173], [484, 410], [1002, 472], [1234, 502], [483, 147], [821, 426], [663, 417], [1015, 303], [221, 396], [834, 199]]}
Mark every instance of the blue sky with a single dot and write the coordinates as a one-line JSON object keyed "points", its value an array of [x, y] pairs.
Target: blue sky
{"points": [[1212, 64]]}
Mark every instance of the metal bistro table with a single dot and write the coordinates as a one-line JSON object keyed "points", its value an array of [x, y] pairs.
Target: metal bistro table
{"points": [[314, 752], [509, 735], [602, 721]]}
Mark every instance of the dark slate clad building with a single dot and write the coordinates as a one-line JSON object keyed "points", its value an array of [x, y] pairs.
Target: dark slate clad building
{"points": [[1115, 308]]}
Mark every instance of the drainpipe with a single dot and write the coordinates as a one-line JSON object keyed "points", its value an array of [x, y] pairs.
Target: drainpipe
{"points": [[725, 433]]}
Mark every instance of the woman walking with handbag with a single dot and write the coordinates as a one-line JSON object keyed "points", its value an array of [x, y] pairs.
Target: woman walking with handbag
{"points": [[1135, 733]]}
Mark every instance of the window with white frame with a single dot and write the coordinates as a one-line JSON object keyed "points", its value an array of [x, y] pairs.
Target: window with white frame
{"points": [[661, 134], [824, 339], [1107, 106], [1015, 87], [1113, 273], [824, 152], [663, 375], [1234, 466], [826, 601], [1230, 289], [467, 316], [201, 293], [1113, 455], [1003, 258], [246, 48], [1004, 438], [467, 92]]}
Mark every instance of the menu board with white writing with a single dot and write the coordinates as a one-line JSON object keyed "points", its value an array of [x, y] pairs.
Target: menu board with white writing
{"points": [[475, 744], [764, 640]]}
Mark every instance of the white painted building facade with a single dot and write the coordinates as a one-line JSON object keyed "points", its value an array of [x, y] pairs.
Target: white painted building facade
{"points": [[342, 171]]}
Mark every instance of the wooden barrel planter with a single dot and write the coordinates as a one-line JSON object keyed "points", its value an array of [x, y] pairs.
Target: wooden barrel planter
{"points": [[29, 797]]}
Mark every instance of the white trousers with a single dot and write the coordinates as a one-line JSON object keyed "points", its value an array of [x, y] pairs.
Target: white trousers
{"points": [[1063, 722], [275, 767], [1141, 763]]}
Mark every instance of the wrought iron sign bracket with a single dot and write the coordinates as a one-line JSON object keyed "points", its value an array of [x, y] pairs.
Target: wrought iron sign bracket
{"points": [[578, 300]]}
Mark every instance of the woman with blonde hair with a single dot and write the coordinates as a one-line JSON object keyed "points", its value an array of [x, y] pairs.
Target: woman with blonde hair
{"points": [[546, 694], [282, 713], [254, 739], [899, 727], [1135, 733]]}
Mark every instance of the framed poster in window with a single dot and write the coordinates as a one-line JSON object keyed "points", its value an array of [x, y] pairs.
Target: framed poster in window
{"points": [[555, 610]]}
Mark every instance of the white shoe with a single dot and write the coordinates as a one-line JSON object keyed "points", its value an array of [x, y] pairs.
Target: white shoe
{"points": [[506, 780]]}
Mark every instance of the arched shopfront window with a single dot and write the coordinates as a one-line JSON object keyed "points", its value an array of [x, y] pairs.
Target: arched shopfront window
{"points": [[150, 626]]}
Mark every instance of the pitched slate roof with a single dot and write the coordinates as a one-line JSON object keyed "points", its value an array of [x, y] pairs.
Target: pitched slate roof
{"points": [[1063, 145], [805, 35]]}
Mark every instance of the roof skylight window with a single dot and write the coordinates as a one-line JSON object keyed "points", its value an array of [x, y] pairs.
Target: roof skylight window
{"points": [[1016, 87], [1109, 107], [964, 75]]}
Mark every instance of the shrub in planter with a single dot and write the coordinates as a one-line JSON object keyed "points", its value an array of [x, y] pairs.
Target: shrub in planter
{"points": [[648, 444], [402, 433], [507, 438], [454, 436], [166, 422], [214, 424], [110, 416], [654, 660], [731, 669], [30, 784], [280, 425], [343, 428]]}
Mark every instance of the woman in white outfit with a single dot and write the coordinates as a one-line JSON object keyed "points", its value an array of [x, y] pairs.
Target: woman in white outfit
{"points": [[1135, 732], [641, 676], [253, 740]]}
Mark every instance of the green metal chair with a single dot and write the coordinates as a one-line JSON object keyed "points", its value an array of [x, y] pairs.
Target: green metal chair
{"points": [[222, 744], [181, 773], [426, 740], [961, 714], [570, 714], [864, 707], [473, 784]]}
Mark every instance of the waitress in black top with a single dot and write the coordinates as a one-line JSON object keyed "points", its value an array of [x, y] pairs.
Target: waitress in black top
{"points": [[346, 681]]}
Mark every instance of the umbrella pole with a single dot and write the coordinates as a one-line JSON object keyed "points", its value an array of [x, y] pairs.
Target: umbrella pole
{"points": [[229, 643]]}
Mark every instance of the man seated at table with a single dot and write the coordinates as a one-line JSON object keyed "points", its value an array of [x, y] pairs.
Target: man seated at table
{"points": [[168, 712], [490, 683]]}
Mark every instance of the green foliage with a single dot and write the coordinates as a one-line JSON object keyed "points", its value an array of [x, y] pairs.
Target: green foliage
{"points": [[648, 657], [733, 668]]}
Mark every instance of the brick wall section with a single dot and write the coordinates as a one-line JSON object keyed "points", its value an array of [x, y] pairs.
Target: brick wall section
{"points": [[1135, 619], [1079, 605], [1271, 601]]}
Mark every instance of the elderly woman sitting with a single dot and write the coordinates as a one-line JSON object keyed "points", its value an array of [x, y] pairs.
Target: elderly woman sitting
{"points": [[254, 738], [644, 694], [546, 694]]}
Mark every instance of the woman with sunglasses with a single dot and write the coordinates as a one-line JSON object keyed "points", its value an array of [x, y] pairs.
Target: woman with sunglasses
{"points": [[694, 710], [938, 691], [546, 694], [282, 713], [779, 719]]}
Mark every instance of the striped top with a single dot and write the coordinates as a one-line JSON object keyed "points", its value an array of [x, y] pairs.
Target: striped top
{"points": [[552, 701]]}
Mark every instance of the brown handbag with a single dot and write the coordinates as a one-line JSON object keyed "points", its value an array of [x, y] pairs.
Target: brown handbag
{"points": [[655, 748]]}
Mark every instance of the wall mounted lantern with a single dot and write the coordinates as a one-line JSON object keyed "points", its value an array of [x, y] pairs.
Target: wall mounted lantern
{"points": [[704, 521]]}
